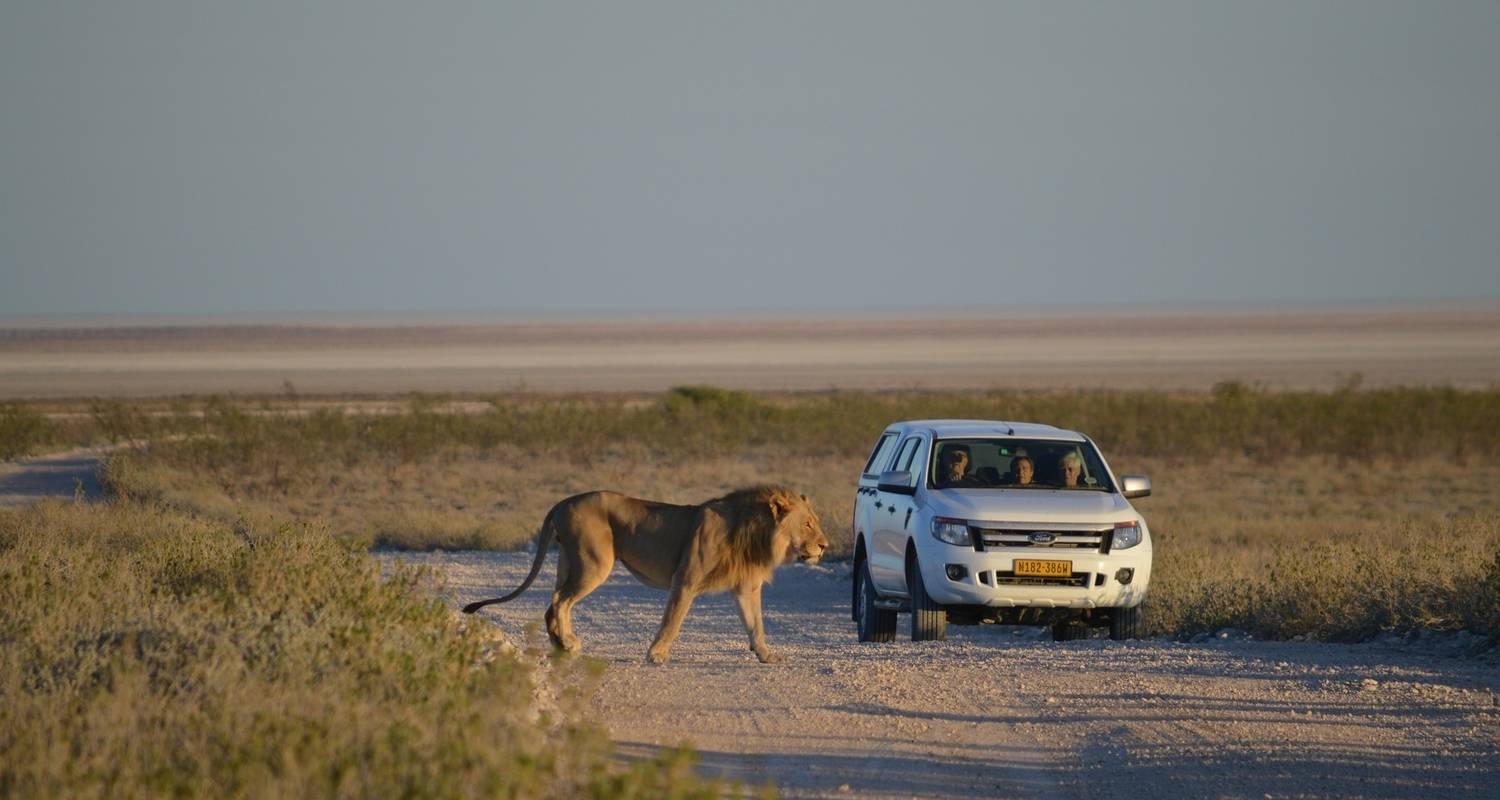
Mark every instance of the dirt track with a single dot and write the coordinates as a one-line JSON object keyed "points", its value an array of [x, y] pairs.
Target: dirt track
{"points": [[1001, 712], [62, 475]]}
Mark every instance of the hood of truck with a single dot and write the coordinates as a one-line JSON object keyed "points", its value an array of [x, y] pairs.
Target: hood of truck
{"points": [[1030, 505]]}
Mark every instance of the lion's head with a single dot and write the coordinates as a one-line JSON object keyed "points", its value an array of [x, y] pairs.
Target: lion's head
{"points": [[798, 524], [772, 525]]}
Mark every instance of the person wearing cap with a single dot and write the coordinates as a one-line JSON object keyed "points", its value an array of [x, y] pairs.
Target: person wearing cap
{"points": [[953, 465]]}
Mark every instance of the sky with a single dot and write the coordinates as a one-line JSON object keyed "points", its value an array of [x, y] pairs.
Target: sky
{"points": [[213, 157]]}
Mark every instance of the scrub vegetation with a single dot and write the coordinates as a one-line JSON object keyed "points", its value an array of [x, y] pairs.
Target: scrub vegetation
{"points": [[218, 628], [24, 431], [287, 433], [1335, 514], [148, 652], [1324, 548]]}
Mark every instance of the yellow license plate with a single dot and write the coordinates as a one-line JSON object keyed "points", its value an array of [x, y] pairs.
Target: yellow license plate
{"points": [[1043, 569]]}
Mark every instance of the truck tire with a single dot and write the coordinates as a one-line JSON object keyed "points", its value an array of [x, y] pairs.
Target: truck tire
{"points": [[1068, 631], [1125, 623], [929, 620], [855, 578], [873, 623]]}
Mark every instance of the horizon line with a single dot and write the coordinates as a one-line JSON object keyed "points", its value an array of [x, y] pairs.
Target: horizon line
{"points": [[466, 317]]}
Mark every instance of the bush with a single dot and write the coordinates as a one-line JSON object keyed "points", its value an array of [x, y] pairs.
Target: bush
{"points": [[1240, 471], [1233, 419], [1343, 587], [147, 653], [23, 431], [119, 421]]}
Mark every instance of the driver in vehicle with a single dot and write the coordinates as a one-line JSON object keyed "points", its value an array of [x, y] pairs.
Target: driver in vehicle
{"points": [[953, 463]]}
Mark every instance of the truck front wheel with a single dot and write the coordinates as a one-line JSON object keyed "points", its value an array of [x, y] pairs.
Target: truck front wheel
{"points": [[929, 620], [1125, 623]]}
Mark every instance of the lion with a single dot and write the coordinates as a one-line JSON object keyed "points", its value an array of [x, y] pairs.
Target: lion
{"points": [[729, 543]]}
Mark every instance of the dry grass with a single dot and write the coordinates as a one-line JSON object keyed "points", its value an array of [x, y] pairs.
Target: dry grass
{"points": [[285, 437], [1286, 513], [1323, 547], [1296, 546], [213, 631], [491, 500], [145, 652], [24, 430]]}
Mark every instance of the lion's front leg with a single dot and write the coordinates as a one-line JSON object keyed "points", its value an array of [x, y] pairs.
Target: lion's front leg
{"points": [[678, 604], [747, 600]]}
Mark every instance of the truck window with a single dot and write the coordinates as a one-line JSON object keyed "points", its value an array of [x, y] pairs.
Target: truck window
{"points": [[907, 455], [995, 463], [880, 454]]}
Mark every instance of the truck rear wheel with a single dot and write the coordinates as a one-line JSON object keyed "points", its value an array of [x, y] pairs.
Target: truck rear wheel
{"points": [[1069, 631], [874, 624]]}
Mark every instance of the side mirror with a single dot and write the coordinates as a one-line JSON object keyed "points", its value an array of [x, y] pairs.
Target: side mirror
{"points": [[896, 482], [1135, 486]]}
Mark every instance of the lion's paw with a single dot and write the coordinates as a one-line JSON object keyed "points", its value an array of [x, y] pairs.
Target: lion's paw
{"points": [[769, 657], [656, 656]]}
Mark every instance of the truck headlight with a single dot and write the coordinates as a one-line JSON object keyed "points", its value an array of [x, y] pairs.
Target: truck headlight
{"points": [[952, 531], [1127, 535]]}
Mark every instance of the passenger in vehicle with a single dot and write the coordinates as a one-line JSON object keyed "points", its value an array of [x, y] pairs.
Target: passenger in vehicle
{"points": [[953, 463], [1021, 471], [1070, 469]]}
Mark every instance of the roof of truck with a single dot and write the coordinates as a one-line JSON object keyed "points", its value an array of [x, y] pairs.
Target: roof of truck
{"points": [[986, 429]]}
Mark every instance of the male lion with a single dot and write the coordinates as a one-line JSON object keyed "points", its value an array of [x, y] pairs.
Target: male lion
{"points": [[733, 542]]}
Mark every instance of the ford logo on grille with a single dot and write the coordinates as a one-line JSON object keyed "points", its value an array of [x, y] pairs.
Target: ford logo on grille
{"points": [[1043, 537]]}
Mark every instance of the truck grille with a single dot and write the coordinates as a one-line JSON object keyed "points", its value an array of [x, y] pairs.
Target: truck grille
{"points": [[1008, 578], [1094, 539]]}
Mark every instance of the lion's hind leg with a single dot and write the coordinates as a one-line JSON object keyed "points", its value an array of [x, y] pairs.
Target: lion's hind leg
{"points": [[562, 639], [578, 574]]}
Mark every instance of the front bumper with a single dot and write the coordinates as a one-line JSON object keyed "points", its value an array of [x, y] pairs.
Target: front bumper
{"points": [[987, 578]]}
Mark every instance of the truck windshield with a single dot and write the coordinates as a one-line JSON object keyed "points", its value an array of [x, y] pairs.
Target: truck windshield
{"points": [[1016, 464]]}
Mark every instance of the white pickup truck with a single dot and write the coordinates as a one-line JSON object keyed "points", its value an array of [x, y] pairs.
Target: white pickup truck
{"points": [[970, 521]]}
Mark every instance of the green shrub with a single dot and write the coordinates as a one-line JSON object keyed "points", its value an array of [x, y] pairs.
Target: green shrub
{"points": [[119, 421], [23, 431]]}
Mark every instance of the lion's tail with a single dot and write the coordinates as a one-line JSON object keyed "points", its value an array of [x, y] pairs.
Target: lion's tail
{"points": [[543, 542]]}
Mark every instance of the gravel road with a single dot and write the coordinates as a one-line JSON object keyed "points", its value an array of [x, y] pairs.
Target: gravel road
{"points": [[1001, 711], [66, 475]]}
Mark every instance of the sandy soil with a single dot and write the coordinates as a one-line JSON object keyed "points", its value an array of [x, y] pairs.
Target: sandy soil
{"points": [[999, 711], [1295, 349]]}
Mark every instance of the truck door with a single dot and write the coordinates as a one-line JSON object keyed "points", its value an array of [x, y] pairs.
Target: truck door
{"points": [[890, 520], [864, 496]]}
